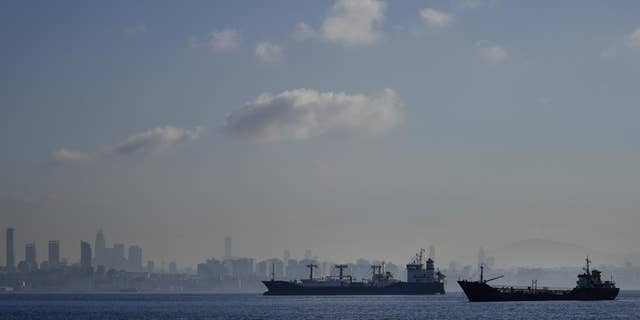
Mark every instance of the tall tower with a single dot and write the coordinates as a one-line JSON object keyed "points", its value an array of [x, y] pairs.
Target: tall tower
{"points": [[85, 256], [11, 262], [100, 248], [135, 258], [227, 247], [54, 253], [30, 256]]}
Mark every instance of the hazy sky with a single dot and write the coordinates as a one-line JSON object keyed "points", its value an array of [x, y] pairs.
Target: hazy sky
{"points": [[351, 128]]}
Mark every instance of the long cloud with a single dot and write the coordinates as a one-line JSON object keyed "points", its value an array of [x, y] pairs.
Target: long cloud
{"points": [[304, 113], [152, 140]]}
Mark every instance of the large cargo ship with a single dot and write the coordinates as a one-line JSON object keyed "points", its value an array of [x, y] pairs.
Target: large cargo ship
{"points": [[589, 287], [422, 278]]}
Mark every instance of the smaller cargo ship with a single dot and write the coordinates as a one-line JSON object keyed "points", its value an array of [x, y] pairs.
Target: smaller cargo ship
{"points": [[422, 278], [589, 287]]}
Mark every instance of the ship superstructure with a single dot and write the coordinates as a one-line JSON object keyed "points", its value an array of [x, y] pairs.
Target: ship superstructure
{"points": [[588, 287], [422, 278]]}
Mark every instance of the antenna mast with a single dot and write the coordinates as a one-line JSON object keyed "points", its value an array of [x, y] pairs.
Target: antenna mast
{"points": [[341, 267], [311, 266]]}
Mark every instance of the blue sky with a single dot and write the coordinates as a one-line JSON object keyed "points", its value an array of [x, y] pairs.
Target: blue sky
{"points": [[454, 123]]}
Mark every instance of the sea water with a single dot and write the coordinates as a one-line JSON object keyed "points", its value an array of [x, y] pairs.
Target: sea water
{"points": [[255, 306]]}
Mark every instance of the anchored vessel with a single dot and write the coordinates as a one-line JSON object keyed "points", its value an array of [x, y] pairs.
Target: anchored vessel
{"points": [[589, 287], [421, 279]]}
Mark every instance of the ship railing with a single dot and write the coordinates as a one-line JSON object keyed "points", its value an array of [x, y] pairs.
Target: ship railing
{"points": [[529, 289]]}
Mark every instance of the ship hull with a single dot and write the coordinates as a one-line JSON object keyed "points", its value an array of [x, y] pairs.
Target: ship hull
{"points": [[482, 292], [282, 288]]}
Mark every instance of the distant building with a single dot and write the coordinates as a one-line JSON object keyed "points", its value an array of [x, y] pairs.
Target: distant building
{"points": [[30, 257], [173, 267], [11, 262], [151, 266], [85, 256], [135, 258], [270, 268], [211, 269], [241, 268], [227, 248], [54, 253], [101, 249], [117, 259]]}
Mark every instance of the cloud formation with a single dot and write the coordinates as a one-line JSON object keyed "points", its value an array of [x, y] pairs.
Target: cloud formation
{"points": [[268, 52], [492, 53], [157, 139], [303, 31], [304, 113], [66, 155], [354, 22], [136, 29], [633, 39], [217, 41], [436, 18]]}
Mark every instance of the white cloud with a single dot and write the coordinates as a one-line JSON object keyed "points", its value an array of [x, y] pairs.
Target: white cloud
{"points": [[436, 18], [633, 39], [152, 140], [66, 155], [217, 41], [303, 31], [473, 4], [225, 40], [304, 113], [354, 22], [155, 139], [268, 52], [493, 54], [136, 29]]}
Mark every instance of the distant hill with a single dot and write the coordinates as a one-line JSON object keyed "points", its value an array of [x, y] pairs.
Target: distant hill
{"points": [[549, 253]]}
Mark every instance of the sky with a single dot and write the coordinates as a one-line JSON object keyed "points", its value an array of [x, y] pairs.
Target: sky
{"points": [[351, 128]]}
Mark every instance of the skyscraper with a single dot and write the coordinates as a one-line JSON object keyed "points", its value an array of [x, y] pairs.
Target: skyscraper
{"points": [[100, 248], [30, 256], [11, 262], [54, 253], [227, 247], [135, 258], [117, 257], [85, 256]]}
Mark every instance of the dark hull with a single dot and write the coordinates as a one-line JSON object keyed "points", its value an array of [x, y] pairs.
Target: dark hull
{"points": [[479, 291], [282, 288]]}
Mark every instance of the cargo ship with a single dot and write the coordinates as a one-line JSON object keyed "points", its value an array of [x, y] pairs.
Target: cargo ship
{"points": [[589, 287], [422, 279]]}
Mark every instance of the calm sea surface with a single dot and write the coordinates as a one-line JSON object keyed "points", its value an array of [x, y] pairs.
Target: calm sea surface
{"points": [[253, 306]]}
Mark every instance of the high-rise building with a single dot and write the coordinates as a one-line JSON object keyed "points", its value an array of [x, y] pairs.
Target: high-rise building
{"points": [[117, 257], [173, 267], [11, 262], [101, 246], [85, 256], [151, 266], [30, 256], [54, 253], [227, 247], [135, 258]]}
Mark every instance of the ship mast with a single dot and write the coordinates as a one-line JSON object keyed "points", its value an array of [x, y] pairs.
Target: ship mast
{"points": [[311, 266], [341, 267], [587, 268]]}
